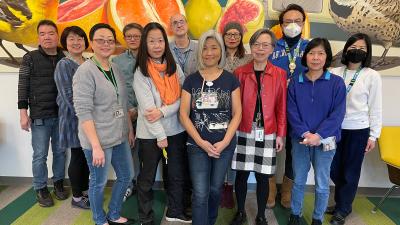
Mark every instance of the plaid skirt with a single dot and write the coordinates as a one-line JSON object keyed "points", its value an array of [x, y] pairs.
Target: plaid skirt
{"points": [[252, 155]]}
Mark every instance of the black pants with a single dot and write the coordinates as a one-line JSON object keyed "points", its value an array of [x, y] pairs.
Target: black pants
{"points": [[346, 167], [288, 160], [262, 190], [78, 172], [177, 170]]}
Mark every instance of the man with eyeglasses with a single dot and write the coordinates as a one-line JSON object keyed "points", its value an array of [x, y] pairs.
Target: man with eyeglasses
{"points": [[287, 55], [126, 61], [182, 47], [37, 91]]}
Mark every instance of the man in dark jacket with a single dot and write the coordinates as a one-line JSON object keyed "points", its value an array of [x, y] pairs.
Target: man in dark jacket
{"points": [[38, 92]]}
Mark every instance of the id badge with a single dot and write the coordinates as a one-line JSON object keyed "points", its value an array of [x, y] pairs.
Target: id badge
{"points": [[208, 100], [259, 134], [119, 112]]}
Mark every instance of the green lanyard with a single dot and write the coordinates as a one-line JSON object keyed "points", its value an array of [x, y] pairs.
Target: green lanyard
{"points": [[112, 80]]}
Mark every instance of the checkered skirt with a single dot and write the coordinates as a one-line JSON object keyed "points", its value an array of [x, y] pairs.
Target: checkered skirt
{"points": [[252, 155]]}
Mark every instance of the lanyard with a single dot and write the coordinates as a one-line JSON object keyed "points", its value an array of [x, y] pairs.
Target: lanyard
{"points": [[181, 61], [353, 80], [292, 59], [112, 80], [258, 116]]}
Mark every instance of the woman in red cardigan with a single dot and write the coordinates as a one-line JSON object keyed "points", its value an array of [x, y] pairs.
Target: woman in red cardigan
{"points": [[263, 124]]}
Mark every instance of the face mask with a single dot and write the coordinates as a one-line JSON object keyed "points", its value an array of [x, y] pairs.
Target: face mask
{"points": [[355, 55], [292, 30]]}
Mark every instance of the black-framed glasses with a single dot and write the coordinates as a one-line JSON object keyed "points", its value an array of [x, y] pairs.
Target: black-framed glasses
{"points": [[101, 41], [232, 35]]}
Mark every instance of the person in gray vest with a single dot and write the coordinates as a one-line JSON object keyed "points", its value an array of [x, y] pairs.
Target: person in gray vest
{"points": [[182, 47], [37, 92], [126, 61]]}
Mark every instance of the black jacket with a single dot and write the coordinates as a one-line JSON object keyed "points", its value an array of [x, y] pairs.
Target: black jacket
{"points": [[36, 86]]}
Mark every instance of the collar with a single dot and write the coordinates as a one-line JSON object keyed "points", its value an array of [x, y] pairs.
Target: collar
{"points": [[281, 42], [59, 52], [189, 48], [325, 76]]}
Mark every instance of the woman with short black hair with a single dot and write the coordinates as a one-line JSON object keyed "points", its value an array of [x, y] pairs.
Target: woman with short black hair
{"points": [[100, 101], [74, 41], [315, 110]]}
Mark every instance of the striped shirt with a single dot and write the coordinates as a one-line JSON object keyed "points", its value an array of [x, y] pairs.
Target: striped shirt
{"points": [[68, 122]]}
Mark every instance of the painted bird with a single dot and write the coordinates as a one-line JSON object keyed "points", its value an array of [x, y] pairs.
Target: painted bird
{"points": [[380, 19]]}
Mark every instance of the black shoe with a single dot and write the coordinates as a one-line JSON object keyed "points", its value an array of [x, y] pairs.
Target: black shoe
{"points": [[294, 220], [44, 198], [261, 220], [330, 210], [240, 218], [59, 191], [181, 218], [83, 203], [128, 222], [316, 222], [148, 223], [337, 219]]}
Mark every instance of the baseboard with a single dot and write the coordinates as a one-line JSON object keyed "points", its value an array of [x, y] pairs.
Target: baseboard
{"points": [[158, 185]]}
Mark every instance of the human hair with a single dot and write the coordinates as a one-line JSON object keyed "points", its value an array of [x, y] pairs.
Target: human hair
{"points": [[241, 51], [75, 30], [46, 23], [143, 54], [355, 37], [315, 43], [210, 34], [100, 26], [261, 31], [291, 7], [130, 26]]}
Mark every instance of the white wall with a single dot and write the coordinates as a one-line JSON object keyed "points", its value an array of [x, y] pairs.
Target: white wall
{"points": [[16, 150]]}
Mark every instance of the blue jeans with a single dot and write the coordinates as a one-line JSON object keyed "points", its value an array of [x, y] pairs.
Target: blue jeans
{"points": [[44, 131], [208, 175], [303, 158], [115, 156]]}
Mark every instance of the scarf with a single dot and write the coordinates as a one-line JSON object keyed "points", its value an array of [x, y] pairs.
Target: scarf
{"points": [[168, 86]]}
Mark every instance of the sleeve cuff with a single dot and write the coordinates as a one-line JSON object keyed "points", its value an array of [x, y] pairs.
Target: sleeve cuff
{"points": [[23, 105], [84, 117]]}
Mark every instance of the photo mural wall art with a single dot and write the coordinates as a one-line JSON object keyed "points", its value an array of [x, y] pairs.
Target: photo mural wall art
{"points": [[333, 19]]}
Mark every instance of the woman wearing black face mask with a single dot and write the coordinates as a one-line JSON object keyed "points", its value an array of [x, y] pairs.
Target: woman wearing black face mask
{"points": [[362, 123]]}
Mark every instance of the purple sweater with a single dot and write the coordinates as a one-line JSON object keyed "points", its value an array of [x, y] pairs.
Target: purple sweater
{"points": [[317, 107]]}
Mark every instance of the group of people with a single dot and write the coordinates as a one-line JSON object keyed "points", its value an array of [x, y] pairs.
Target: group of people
{"points": [[205, 109]]}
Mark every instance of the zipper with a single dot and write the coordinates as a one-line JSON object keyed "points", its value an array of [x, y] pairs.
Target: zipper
{"points": [[312, 92]]}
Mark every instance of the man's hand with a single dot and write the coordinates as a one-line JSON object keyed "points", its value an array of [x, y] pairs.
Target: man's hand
{"points": [[24, 120]]}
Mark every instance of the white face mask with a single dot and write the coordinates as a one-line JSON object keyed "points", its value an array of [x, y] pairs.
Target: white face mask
{"points": [[292, 30]]}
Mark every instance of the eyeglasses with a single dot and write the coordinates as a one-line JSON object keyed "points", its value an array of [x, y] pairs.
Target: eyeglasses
{"points": [[298, 21], [232, 35], [263, 45], [133, 37], [103, 41], [178, 22]]}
